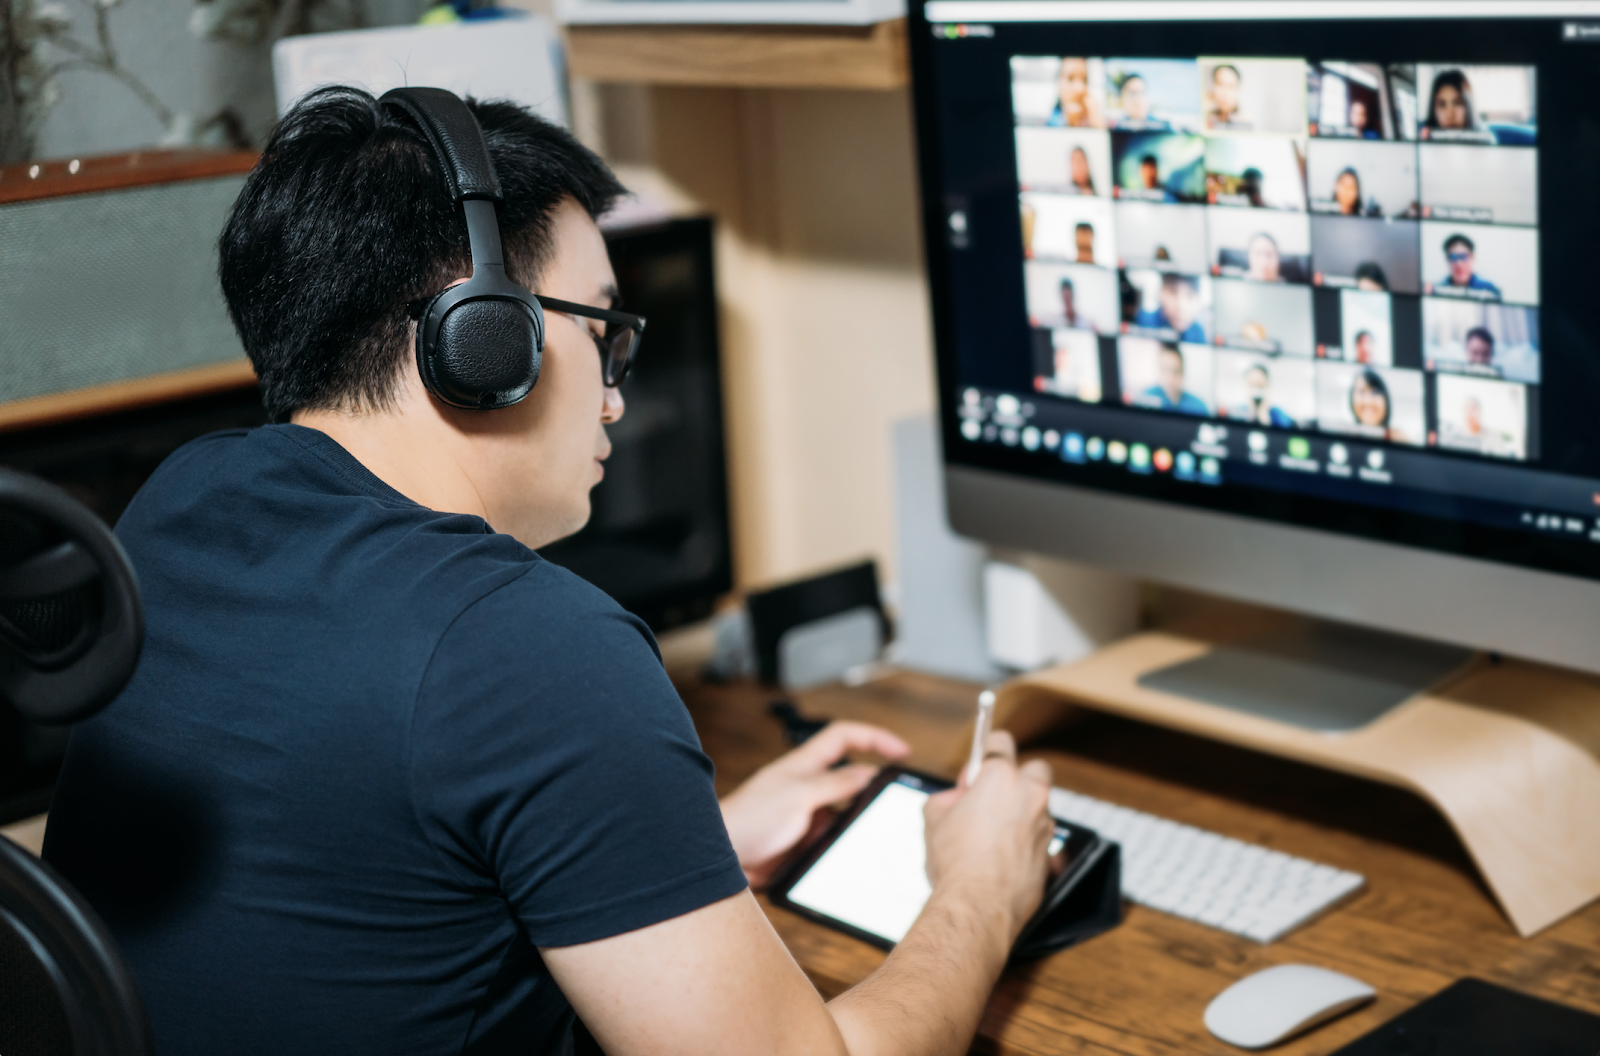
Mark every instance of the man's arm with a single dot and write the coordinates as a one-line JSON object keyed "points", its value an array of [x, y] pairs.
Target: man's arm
{"points": [[719, 980]]}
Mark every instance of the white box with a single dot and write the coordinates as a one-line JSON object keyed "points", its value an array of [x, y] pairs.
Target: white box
{"points": [[518, 59]]}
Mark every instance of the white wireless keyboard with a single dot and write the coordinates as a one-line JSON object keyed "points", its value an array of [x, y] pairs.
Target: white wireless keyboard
{"points": [[1204, 877]]}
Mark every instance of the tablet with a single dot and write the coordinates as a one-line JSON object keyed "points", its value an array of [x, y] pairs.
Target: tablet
{"points": [[867, 875]]}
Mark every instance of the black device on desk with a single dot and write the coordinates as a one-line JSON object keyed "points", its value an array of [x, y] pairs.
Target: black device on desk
{"points": [[866, 876], [1475, 1018], [658, 540]]}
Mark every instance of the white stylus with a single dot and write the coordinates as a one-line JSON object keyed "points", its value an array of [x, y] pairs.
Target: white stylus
{"points": [[980, 734]]}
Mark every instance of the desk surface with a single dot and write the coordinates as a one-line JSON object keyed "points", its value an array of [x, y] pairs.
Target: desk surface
{"points": [[1423, 920]]}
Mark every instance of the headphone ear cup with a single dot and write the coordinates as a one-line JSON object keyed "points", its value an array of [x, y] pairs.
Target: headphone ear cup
{"points": [[484, 354]]}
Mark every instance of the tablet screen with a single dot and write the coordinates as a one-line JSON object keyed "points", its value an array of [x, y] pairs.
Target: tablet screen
{"points": [[874, 876]]}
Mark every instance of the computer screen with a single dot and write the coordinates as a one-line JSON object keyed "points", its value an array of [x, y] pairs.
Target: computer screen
{"points": [[1327, 263]]}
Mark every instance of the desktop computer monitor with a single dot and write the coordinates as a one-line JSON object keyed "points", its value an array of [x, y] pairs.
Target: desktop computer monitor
{"points": [[1294, 301]]}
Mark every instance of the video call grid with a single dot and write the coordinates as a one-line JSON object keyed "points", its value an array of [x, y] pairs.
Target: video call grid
{"points": [[1258, 236]]}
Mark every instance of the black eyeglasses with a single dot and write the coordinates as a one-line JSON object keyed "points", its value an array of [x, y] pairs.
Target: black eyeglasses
{"points": [[618, 345]]}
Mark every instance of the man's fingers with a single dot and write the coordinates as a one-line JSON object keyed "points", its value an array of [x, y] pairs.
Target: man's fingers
{"points": [[835, 739], [939, 804], [1000, 745], [1038, 770], [837, 785]]}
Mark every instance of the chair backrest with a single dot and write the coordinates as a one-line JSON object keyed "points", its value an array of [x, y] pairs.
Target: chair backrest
{"points": [[64, 990], [71, 628], [70, 621]]}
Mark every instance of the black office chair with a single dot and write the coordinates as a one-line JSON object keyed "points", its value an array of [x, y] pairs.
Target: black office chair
{"points": [[71, 628]]}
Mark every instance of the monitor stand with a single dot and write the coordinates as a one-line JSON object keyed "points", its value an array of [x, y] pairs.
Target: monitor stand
{"points": [[1318, 676], [1508, 751]]}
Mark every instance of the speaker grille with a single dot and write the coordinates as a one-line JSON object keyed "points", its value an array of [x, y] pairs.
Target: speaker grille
{"points": [[100, 288]]}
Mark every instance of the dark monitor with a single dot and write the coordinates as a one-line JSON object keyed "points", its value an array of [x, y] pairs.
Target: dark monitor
{"points": [[658, 539], [1292, 302]]}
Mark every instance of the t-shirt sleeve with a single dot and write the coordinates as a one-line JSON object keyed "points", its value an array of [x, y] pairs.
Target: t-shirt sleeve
{"points": [[553, 762]]}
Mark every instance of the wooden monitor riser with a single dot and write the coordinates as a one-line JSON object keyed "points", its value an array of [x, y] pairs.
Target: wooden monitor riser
{"points": [[1509, 752]]}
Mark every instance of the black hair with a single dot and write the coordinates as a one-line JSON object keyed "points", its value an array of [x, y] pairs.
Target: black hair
{"points": [[1149, 159], [1172, 278], [1225, 66], [1376, 384], [1480, 332], [1450, 79], [347, 218], [1066, 284], [1263, 234], [1373, 272], [1128, 78], [1350, 171], [1084, 225], [1168, 346], [1362, 333], [1463, 239]]}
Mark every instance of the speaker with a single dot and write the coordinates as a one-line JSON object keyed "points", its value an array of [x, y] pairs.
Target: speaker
{"points": [[108, 282]]}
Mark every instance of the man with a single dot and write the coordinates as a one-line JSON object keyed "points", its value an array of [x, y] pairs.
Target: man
{"points": [[1083, 241], [386, 782], [1135, 99], [1168, 394], [1069, 306], [1480, 347], [1460, 255], [1258, 407], [1178, 310], [1150, 179]]}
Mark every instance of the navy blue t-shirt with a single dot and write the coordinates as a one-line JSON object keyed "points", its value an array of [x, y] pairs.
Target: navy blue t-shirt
{"points": [[374, 756]]}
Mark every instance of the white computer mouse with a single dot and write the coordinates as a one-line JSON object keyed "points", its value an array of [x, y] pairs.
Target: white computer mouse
{"points": [[1275, 1004]]}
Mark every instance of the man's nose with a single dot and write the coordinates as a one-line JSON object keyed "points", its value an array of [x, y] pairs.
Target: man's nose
{"points": [[613, 406]]}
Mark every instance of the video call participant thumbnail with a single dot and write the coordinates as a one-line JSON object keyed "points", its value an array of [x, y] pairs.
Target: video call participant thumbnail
{"points": [[1263, 172], [1063, 160], [1352, 178], [1344, 249], [1350, 100], [1478, 186], [1367, 328], [1254, 95], [1158, 166], [1487, 105], [1165, 375], [1495, 340], [1263, 317], [1067, 364], [1069, 228], [1482, 416], [1170, 304], [1264, 390], [1480, 262], [1065, 92], [1260, 246], [1166, 237], [1071, 296], [1380, 403], [1154, 95]]}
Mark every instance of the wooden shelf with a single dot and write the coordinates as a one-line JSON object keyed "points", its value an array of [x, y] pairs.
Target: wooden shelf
{"points": [[870, 57], [126, 395], [50, 179]]}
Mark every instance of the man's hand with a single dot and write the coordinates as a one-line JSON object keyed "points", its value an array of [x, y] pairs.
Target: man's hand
{"points": [[989, 841], [783, 802]]}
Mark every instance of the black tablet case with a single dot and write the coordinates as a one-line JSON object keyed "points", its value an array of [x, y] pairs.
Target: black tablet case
{"points": [[1079, 904], [1475, 1018]]}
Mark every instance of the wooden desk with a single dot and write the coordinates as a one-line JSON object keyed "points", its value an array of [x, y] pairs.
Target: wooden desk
{"points": [[1423, 921]]}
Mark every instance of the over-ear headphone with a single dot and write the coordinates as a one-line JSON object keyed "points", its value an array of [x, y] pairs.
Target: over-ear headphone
{"points": [[479, 343]]}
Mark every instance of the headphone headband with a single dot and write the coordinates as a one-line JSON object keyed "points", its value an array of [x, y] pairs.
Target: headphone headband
{"points": [[456, 139], [479, 343]]}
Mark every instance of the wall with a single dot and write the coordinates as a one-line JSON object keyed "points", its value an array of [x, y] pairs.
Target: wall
{"points": [[826, 334]]}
